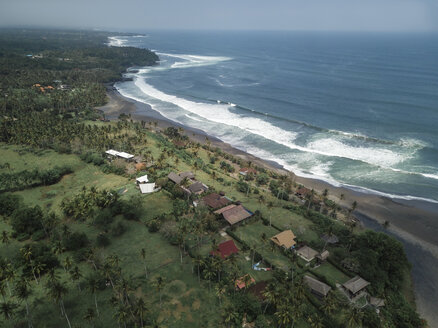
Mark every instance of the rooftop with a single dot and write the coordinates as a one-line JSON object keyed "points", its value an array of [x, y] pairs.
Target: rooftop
{"points": [[307, 253], [226, 248], [236, 214], [215, 201], [316, 285], [356, 284], [285, 239]]}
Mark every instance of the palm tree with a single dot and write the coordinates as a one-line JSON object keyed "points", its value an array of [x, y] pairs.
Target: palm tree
{"points": [[271, 295], [22, 291], [27, 254], [121, 315], [159, 284], [92, 284], [270, 206], [57, 290], [143, 256], [220, 291], [75, 275], [354, 317], [140, 309], [89, 316], [315, 322], [5, 237], [7, 309], [67, 263], [284, 314], [230, 315], [198, 261]]}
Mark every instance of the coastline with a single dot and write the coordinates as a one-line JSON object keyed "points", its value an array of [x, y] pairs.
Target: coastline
{"points": [[413, 222]]}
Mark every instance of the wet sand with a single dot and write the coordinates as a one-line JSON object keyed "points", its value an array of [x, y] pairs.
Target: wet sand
{"points": [[414, 223]]}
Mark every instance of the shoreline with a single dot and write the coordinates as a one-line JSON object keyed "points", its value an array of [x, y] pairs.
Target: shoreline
{"points": [[413, 222]]}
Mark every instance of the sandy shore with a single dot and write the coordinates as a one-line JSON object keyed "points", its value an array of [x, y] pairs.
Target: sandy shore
{"points": [[415, 223]]}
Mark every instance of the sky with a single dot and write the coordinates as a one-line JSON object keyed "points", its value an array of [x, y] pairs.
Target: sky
{"points": [[120, 15]]}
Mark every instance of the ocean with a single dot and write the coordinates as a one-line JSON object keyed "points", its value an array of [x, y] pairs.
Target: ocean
{"points": [[354, 109]]}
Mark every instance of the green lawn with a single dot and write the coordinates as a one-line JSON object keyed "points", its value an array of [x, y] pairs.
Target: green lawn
{"points": [[332, 273]]}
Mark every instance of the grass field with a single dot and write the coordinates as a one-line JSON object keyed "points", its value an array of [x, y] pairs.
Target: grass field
{"points": [[332, 273]]}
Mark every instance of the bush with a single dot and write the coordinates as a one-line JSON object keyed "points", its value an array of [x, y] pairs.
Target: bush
{"points": [[118, 229], [102, 240], [9, 203], [38, 235], [75, 241], [27, 220]]}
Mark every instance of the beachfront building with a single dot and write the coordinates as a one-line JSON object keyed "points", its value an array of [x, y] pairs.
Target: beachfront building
{"points": [[215, 201], [318, 288], [355, 286], [307, 253], [234, 213], [303, 192], [284, 239], [226, 249], [111, 153]]}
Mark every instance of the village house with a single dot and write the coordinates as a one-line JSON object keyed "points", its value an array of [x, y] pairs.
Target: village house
{"points": [[234, 213], [195, 188], [303, 192], [111, 153], [247, 170], [322, 257], [226, 249], [284, 239], [307, 253], [147, 188], [244, 282], [215, 201], [142, 179], [178, 178], [318, 288], [354, 286]]}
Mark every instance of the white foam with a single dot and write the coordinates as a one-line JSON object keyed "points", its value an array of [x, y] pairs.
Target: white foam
{"points": [[220, 113], [116, 41], [382, 157], [193, 118]]}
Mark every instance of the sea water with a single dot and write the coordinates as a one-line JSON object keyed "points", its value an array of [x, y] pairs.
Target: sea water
{"points": [[353, 109]]}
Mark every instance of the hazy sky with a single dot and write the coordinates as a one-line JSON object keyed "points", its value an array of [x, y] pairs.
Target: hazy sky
{"points": [[375, 15]]}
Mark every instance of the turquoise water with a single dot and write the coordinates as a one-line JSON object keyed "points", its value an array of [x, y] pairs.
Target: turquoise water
{"points": [[359, 110]]}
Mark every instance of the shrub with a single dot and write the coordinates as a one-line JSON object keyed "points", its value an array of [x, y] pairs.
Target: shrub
{"points": [[75, 241], [118, 229], [102, 240]]}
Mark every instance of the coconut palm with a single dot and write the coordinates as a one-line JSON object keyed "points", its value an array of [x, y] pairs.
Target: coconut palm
{"points": [[22, 291], [7, 309], [92, 284], [140, 309], [270, 206], [57, 291], [159, 284], [354, 317], [143, 256], [5, 237], [75, 275], [89, 316], [122, 315], [26, 252]]}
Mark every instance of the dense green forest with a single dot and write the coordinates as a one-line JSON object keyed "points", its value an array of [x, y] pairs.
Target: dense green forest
{"points": [[81, 247]]}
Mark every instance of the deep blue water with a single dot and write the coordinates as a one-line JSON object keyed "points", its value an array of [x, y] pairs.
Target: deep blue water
{"points": [[354, 109]]}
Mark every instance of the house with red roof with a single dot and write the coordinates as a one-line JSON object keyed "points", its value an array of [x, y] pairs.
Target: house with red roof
{"points": [[225, 249]]}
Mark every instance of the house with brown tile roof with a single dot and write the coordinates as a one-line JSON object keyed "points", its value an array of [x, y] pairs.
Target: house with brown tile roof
{"points": [[215, 201], [236, 214]]}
